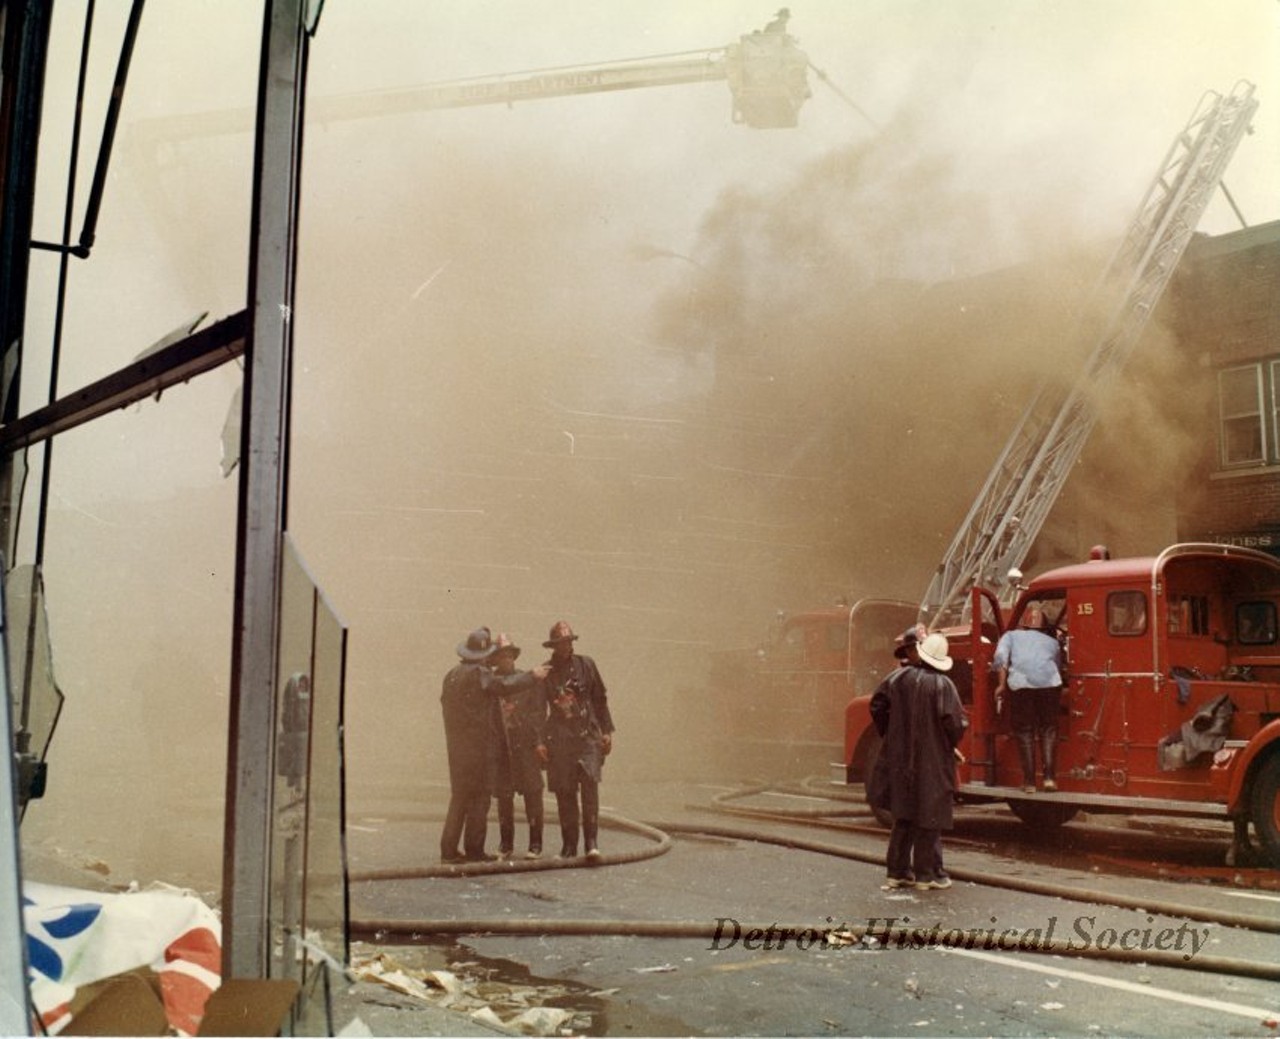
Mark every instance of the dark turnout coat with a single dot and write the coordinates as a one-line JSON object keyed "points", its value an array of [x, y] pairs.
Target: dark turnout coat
{"points": [[920, 719], [472, 723], [524, 719], [577, 719]]}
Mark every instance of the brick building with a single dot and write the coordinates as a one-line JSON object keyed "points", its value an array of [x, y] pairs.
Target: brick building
{"points": [[1226, 299]]}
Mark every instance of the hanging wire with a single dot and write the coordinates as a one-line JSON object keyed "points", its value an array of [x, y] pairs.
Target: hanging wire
{"points": [[842, 95]]}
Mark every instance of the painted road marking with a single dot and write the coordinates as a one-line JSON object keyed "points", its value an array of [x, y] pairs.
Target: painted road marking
{"points": [[1239, 1009], [1251, 894]]}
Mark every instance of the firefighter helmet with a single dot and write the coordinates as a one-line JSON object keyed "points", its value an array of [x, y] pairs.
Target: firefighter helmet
{"points": [[908, 640], [560, 632], [503, 641], [478, 646], [933, 651]]}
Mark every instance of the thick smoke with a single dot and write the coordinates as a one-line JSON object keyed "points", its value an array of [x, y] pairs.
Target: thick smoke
{"points": [[509, 409], [879, 364]]}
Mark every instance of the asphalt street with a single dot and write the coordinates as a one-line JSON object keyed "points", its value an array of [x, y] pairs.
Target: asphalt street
{"points": [[719, 934]]}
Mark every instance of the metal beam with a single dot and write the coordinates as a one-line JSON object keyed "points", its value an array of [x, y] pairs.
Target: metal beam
{"points": [[15, 1010], [24, 42], [198, 353], [264, 478], [24, 56]]}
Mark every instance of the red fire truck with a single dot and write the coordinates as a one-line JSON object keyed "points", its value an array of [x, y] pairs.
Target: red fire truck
{"points": [[780, 706], [1171, 702]]}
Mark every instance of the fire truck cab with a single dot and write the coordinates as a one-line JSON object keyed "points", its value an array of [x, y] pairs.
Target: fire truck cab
{"points": [[1171, 695]]}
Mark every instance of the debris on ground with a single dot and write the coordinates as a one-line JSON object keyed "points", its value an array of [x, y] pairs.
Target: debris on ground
{"points": [[522, 1009]]}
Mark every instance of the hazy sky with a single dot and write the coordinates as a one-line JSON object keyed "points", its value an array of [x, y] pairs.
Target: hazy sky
{"points": [[1050, 116], [1088, 88]]}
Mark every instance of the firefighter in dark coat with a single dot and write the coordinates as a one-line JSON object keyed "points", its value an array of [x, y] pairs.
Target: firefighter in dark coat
{"points": [[522, 753], [471, 719], [918, 714], [579, 738]]}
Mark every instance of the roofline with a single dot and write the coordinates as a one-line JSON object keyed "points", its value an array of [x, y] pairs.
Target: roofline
{"points": [[1204, 246], [1147, 568]]}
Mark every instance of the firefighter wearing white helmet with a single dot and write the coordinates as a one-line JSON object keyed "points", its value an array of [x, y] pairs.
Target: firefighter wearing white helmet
{"points": [[918, 714]]}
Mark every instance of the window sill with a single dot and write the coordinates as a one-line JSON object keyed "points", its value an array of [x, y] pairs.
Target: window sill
{"points": [[1253, 470]]}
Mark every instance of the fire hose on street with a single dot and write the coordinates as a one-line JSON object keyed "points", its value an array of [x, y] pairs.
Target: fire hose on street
{"points": [[660, 835]]}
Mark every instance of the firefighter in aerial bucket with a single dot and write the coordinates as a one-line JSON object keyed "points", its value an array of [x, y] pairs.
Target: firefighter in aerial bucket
{"points": [[1028, 660]]}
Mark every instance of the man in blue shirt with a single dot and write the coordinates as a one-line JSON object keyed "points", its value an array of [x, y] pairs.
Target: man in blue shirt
{"points": [[1029, 662]]}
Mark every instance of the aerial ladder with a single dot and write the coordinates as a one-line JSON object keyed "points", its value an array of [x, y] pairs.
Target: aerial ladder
{"points": [[1006, 517], [767, 75], [766, 71]]}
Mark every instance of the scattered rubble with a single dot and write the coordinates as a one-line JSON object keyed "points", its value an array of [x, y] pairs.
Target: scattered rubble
{"points": [[521, 1009]]}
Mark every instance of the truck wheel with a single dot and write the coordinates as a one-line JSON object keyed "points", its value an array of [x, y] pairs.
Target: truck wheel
{"points": [[868, 767], [1264, 807], [1043, 815]]}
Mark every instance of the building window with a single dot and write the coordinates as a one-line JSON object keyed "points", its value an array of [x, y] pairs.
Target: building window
{"points": [[1249, 413], [1274, 368], [1240, 408]]}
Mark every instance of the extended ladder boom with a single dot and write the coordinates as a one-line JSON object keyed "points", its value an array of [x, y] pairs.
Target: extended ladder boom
{"points": [[1009, 512], [767, 74]]}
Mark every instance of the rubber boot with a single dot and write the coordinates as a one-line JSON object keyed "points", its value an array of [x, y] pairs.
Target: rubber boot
{"points": [[1027, 758], [506, 826], [568, 808], [533, 812], [590, 819], [1049, 753]]}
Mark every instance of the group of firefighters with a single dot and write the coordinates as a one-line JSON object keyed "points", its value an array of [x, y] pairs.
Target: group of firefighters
{"points": [[505, 727]]}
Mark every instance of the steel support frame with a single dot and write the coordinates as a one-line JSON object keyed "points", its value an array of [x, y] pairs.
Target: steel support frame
{"points": [[263, 509], [15, 998], [151, 375], [25, 45]]}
